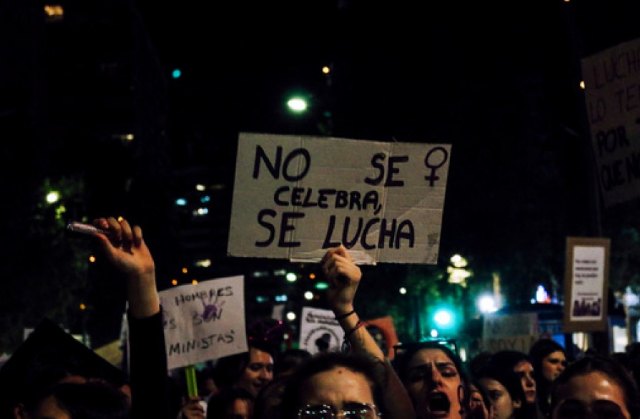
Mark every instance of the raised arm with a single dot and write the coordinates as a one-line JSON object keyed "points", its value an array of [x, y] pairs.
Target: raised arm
{"points": [[124, 247], [344, 277]]}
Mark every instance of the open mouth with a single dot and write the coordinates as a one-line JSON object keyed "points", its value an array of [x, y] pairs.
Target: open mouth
{"points": [[438, 404]]}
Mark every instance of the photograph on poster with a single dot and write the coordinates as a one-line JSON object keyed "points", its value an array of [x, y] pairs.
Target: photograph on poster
{"points": [[588, 283]]}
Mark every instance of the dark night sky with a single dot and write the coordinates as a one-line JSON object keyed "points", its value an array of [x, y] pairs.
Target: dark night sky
{"points": [[497, 80]]}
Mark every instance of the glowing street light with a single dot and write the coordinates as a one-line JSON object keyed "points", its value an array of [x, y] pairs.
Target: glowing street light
{"points": [[52, 197], [487, 304], [457, 271], [297, 104]]}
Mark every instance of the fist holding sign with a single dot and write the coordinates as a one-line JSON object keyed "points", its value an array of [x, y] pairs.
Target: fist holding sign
{"points": [[295, 197]]}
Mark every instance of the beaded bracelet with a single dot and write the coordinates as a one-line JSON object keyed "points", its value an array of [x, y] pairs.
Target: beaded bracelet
{"points": [[345, 315]]}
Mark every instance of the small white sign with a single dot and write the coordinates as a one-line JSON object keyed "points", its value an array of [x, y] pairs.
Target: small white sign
{"points": [[319, 331], [509, 331], [204, 321], [588, 283]]}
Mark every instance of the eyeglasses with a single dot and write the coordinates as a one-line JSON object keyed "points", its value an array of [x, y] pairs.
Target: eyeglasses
{"points": [[348, 411]]}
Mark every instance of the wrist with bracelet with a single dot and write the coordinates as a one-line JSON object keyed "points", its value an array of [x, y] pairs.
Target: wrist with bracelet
{"points": [[345, 315], [346, 345]]}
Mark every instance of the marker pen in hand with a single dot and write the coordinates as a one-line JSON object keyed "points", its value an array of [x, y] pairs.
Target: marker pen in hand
{"points": [[84, 228]]}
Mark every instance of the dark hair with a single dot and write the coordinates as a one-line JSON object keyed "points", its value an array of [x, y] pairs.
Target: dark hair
{"points": [[360, 363], [268, 403], [289, 360], [219, 403], [540, 350], [486, 400], [508, 359], [477, 363], [505, 376], [92, 400], [606, 366]]}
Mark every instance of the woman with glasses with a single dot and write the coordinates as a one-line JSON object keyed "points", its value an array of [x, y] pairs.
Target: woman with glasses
{"points": [[335, 385], [595, 387]]}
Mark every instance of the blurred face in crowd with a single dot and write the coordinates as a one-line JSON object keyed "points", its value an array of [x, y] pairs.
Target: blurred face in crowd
{"points": [[593, 395], [553, 364], [434, 384], [258, 372], [240, 409], [476, 403], [524, 369], [504, 406], [337, 389]]}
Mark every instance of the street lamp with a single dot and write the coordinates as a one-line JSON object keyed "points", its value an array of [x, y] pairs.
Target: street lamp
{"points": [[457, 272], [297, 104]]}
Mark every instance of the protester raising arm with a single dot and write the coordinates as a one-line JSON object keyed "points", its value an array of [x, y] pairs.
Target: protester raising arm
{"points": [[126, 250], [344, 277]]}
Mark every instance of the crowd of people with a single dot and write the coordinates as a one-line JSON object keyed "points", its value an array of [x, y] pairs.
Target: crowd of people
{"points": [[424, 379]]}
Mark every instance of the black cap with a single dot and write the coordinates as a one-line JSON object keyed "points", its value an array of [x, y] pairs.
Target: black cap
{"points": [[48, 355]]}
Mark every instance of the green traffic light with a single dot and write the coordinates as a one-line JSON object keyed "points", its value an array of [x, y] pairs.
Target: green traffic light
{"points": [[444, 318]]}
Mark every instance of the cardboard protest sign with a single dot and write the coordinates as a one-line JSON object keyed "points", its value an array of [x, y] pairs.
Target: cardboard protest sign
{"points": [[586, 283], [295, 196], [319, 330], [204, 321], [612, 94]]}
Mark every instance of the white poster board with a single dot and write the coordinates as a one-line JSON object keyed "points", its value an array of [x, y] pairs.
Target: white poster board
{"points": [[295, 196], [319, 330], [204, 321], [587, 292], [586, 284], [612, 94], [515, 331]]}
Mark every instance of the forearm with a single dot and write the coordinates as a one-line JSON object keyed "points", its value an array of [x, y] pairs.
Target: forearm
{"points": [[396, 397], [143, 297], [358, 336], [148, 368]]}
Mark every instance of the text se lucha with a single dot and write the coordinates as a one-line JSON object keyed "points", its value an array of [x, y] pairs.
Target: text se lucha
{"points": [[296, 165]]}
